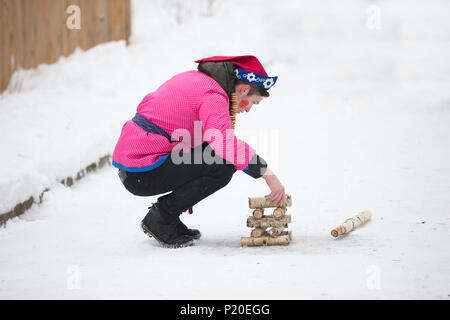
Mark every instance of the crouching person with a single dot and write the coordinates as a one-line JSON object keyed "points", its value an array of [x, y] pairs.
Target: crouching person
{"points": [[148, 151]]}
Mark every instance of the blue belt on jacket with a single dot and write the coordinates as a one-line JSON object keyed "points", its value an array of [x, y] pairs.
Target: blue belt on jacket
{"points": [[149, 126]]}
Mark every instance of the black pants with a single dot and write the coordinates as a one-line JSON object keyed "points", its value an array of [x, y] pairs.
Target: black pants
{"points": [[189, 183]]}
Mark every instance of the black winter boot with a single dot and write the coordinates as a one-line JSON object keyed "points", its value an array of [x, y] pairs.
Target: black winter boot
{"points": [[193, 233], [165, 228]]}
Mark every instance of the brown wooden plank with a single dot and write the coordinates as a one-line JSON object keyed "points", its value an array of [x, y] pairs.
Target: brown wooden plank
{"points": [[29, 12], [19, 34], [9, 53], [88, 26], [41, 31], [52, 35], [94, 23], [2, 49], [127, 20], [117, 15], [58, 24], [84, 44], [64, 32], [73, 35], [104, 20], [90, 31]]}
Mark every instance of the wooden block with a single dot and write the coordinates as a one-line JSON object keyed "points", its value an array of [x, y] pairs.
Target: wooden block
{"points": [[279, 212], [257, 232], [268, 221], [261, 202], [258, 213], [275, 232], [267, 241]]}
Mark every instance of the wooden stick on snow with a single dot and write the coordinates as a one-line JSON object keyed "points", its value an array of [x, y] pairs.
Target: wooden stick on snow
{"points": [[352, 223]]}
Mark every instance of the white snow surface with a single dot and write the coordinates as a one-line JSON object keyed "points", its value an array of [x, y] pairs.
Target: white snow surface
{"points": [[358, 120]]}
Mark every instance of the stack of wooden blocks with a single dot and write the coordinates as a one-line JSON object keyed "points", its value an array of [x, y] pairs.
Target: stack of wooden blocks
{"points": [[268, 230]]}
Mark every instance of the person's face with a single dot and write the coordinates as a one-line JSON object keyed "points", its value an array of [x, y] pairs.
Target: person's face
{"points": [[246, 102]]}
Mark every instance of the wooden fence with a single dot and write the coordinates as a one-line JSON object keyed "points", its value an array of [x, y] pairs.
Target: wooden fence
{"points": [[40, 31]]}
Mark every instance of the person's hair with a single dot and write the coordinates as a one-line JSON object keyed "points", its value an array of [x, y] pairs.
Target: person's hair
{"points": [[254, 88]]}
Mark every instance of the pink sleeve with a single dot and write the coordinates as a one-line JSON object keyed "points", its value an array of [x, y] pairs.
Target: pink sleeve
{"points": [[218, 132]]}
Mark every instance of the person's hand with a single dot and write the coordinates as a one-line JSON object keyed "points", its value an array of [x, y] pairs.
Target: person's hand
{"points": [[278, 194]]}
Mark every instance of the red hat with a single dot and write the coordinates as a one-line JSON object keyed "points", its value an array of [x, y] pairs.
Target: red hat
{"points": [[248, 63]]}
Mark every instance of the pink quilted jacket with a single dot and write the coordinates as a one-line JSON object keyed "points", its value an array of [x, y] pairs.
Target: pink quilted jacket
{"points": [[177, 104]]}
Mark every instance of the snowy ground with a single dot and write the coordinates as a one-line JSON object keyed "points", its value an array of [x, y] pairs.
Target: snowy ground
{"points": [[358, 120], [84, 242]]}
